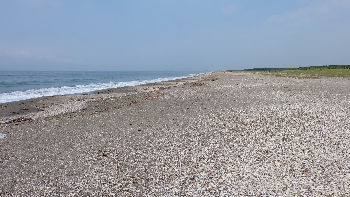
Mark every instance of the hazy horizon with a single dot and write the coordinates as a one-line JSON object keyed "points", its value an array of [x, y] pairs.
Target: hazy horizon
{"points": [[181, 35]]}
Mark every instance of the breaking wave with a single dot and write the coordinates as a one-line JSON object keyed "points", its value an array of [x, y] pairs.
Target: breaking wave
{"points": [[77, 89]]}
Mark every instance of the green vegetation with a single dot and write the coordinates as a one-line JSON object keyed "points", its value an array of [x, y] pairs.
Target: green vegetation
{"points": [[306, 72]]}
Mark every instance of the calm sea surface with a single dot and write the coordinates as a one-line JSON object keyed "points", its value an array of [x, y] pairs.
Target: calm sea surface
{"points": [[20, 85]]}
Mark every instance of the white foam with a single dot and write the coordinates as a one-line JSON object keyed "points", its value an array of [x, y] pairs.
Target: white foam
{"points": [[78, 89]]}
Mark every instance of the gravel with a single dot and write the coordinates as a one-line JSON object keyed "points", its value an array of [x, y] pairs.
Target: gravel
{"points": [[220, 134]]}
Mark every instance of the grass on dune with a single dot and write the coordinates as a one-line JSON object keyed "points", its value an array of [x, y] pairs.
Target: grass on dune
{"points": [[314, 73], [306, 72]]}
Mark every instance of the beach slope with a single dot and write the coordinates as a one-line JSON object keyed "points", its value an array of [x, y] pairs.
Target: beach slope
{"points": [[232, 133]]}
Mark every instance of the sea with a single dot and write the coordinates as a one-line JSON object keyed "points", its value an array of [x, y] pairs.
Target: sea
{"points": [[22, 85]]}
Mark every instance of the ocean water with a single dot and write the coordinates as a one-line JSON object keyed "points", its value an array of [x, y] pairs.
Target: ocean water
{"points": [[21, 85]]}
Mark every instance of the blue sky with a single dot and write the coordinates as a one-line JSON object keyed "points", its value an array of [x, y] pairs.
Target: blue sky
{"points": [[203, 35]]}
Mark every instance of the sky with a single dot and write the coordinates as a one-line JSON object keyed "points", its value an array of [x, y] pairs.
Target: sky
{"points": [[189, 35]]}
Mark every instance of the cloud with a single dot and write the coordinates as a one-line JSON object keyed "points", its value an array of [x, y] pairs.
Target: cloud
{"points": [[42, 2], [17, 52], [228, 10], [22, 52], [34, 54], [311, 12]]}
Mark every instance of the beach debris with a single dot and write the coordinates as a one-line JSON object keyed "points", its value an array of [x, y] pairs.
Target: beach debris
{"points": [[18, 120], [193, 84]]}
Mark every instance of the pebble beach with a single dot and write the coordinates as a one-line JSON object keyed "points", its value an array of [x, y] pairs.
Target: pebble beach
{"points": [[216, 134]]}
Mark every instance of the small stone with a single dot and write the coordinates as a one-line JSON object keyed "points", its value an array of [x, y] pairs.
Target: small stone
{"points": [[2, 135]]}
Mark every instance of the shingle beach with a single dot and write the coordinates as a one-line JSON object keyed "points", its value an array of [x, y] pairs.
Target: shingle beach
{"points": [[217, 134]]}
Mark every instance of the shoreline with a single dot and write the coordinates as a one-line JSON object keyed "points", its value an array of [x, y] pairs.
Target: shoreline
{"points": [[80, 88], [46, 106]]}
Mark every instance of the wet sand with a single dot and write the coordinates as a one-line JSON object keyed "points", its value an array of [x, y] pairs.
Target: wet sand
{"points": [[212, 135]]}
